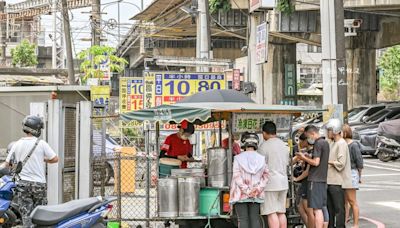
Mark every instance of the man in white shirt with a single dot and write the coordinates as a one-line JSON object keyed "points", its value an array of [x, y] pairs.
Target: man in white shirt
{"points": [[33, 174], [277, 158]]}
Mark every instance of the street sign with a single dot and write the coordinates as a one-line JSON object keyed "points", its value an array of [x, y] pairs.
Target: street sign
{"points": [[290, 80], [236, 79], [256, 5], [104, 66], [100, 94], [262, 43], [170, 87], [130, 94]]}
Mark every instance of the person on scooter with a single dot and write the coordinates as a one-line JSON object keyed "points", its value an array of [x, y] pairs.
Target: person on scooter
{"points": [[32, 154]]}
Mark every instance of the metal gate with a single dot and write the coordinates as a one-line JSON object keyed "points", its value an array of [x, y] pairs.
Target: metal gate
{"points": [[129, 174]]}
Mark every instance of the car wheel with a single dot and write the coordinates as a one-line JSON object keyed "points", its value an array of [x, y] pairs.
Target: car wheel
{"points": [[384, 156]]}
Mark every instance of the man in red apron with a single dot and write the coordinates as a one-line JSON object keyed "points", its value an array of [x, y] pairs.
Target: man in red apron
{"points": [[178, 145]]}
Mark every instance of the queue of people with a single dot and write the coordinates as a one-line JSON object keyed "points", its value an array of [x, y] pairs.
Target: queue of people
{"points": [[329, 170], [333, 167]]}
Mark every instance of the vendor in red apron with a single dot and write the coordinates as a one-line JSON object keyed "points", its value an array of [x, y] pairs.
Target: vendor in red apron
{"points": [[178, 145]]}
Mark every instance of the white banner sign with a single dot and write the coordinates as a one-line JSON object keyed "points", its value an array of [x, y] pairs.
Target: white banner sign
{"points": [[262, 43], [253, 122]]}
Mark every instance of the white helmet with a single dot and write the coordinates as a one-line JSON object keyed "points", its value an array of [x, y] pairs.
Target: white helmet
{"points": [[334, 125]]}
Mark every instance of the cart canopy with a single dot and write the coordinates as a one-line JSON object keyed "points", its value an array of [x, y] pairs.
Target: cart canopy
{"points": [[206, 112]]}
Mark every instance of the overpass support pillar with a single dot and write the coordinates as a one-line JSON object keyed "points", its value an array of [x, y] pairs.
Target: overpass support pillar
{"points": [[273, 72], [361, 76]]}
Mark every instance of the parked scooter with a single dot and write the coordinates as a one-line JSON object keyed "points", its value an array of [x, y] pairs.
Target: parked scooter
{"points": [[83, 213], [387, 149], [9, 211], [388, 140]]}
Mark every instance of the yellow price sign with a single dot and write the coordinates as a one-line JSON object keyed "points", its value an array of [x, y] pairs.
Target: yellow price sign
{"points": [[131, 94]]}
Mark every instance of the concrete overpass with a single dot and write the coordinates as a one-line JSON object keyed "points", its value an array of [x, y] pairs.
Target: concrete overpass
{"points": [[379, 29]]}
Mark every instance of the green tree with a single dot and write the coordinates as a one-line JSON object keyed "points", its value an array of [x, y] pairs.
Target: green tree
{"points": [[94, 56], [24, 55], [390, 80]]}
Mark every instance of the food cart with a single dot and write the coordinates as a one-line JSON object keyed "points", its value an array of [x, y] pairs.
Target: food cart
{"points": [[240, 117]]}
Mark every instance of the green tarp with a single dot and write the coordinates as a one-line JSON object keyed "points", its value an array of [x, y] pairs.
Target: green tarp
{"points": [[169, 113]]}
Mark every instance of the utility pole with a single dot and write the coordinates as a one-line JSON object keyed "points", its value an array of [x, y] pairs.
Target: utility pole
{"points": [[333, 53], [203, 33], [3, 39], [96, 34], [54, 39], [68, 44]]}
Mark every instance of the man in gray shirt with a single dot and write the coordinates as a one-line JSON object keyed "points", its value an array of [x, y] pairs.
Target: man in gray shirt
{"points": [[277, 158]]}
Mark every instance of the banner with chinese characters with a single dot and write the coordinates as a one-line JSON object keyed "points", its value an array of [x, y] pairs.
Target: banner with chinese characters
{"points": [[170, 87], [253, 122], [130, 94]]}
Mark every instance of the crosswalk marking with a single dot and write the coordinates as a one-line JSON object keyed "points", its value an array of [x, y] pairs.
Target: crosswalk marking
{"points": [[381, 167], [395, 205], [383, 164], [381, 175]]}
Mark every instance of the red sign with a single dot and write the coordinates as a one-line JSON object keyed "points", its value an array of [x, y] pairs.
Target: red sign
{"points": [[236, 79]]}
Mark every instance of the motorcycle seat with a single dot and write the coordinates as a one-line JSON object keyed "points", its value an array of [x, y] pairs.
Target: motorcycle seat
{"points": [[54, 214]]}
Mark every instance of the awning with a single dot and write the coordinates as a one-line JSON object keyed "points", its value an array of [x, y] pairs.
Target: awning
{"points": [[202, 113], [169, 113]]}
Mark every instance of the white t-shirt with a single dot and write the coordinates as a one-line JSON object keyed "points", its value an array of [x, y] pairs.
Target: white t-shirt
{"points": [[35, 168], [277, 158]]}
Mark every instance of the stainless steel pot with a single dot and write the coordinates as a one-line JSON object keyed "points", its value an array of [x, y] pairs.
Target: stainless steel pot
{"points": [[189, 194], [195, 172], [217, 167], [168, 197]]}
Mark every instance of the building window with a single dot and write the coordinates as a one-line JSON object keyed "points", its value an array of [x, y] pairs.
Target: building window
{"points": [[313, 49], [310, 75]]}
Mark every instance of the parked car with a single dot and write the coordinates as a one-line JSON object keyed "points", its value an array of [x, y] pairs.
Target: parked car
{"points": [[360, 113]]}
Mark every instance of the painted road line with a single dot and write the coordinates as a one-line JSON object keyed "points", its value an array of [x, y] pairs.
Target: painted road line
{"points": [[377, 223], [394, 205], [380, 167], [383, 164], [381, 175]]}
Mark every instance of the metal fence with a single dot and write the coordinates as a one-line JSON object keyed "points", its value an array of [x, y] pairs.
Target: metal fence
{"points": [[129, 174]]}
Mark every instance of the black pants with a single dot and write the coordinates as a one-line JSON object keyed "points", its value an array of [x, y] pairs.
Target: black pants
{"points": [[248, 215], [336, 209]]}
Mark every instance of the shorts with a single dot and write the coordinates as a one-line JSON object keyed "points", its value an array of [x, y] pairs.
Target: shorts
{"points": [[355, 179], [274, 202], [317, 194], [303, 189]]}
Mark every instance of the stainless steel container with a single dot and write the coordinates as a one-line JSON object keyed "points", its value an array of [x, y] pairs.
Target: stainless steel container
{"points": [[217, 167], [195, 172], [168, 197], [189, 194]]}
